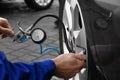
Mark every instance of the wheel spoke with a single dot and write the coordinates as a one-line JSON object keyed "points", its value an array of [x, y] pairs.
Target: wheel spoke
{"points": [[43, 2], [76, 33]]}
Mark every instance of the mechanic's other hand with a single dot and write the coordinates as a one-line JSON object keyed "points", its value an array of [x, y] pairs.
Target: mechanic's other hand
{"points": [[5, 29], [67, 65]]}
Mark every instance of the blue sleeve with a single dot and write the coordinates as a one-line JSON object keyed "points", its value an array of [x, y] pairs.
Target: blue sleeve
{"points": [[20, 71]]}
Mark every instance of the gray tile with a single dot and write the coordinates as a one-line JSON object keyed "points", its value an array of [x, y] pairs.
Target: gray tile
{"points": [[27, 58], [10, 57], [44, 57]]}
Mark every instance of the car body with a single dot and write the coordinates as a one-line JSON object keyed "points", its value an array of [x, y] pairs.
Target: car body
{"points": [[93, 25]]}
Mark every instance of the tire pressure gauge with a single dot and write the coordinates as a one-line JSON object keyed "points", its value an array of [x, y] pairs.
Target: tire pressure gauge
{"points": [[38, 35]]}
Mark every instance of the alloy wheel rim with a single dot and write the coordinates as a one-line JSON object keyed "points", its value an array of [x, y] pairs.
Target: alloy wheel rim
{"points": [[75, 32]]}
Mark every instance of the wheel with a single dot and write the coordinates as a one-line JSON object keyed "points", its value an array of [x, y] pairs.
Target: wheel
{"points": [[73, 33], [39, 4]]}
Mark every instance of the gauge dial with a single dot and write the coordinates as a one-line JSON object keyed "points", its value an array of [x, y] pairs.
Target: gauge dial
{"points": [[38, 35]]}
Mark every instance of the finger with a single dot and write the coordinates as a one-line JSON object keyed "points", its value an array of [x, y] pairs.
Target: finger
{"points": [[3, 36], [4, 23], [81, 65], [80, 56], [6, 31]]}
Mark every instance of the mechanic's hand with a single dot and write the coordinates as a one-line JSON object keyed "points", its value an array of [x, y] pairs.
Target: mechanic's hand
{"points": [[5, 29], [67, 65]]}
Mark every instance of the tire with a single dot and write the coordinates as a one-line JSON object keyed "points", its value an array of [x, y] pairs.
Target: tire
{"points": [[34, 4], [73, 36]]}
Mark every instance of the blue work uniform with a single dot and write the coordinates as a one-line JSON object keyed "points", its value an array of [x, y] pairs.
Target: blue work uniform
{"points": [[20, 71]]}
